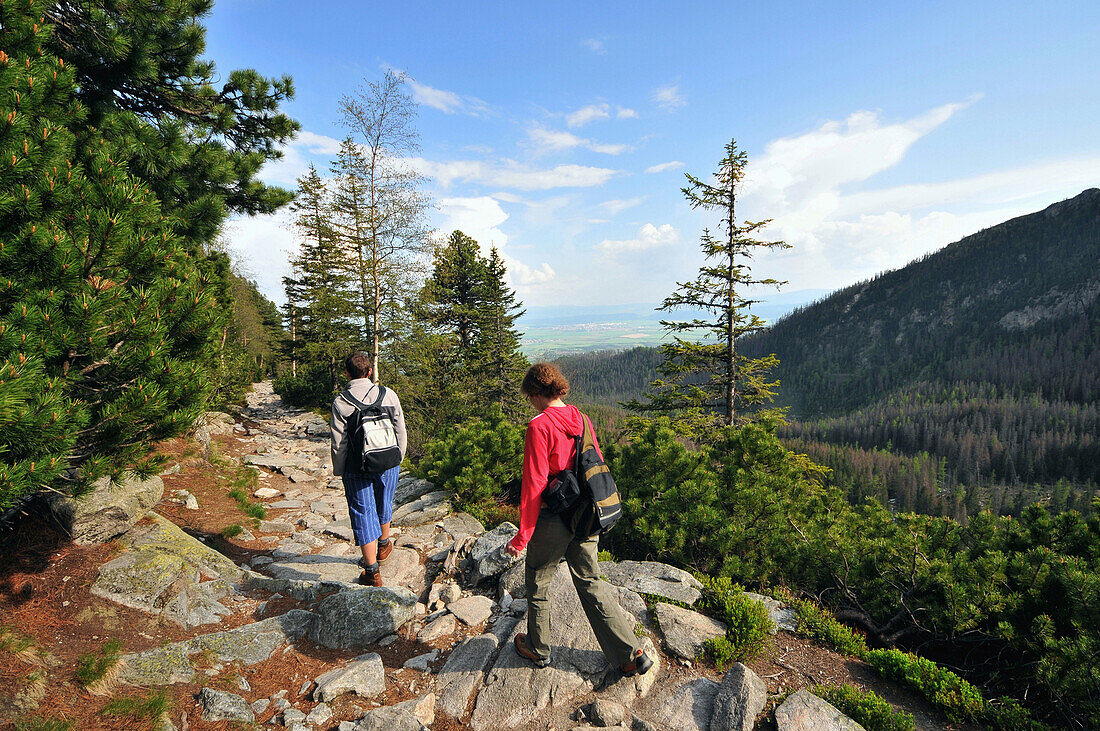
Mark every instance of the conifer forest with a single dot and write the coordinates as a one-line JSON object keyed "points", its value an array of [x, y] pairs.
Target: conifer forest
{"points": [[919, 452]]}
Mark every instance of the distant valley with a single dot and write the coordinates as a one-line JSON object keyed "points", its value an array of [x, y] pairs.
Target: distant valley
{"points": [[551, 332]]}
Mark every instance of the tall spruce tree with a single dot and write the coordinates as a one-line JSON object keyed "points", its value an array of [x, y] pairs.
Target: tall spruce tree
{"points": [[469, 306], [320, 291], [707, 383], [107, 320], [499, 362], [386, 231]]}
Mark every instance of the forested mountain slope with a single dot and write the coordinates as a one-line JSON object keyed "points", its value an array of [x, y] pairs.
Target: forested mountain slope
{"points": [[1014, 306]]}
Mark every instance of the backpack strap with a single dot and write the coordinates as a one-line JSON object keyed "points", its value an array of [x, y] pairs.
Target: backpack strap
{"points": [[359, 405]]}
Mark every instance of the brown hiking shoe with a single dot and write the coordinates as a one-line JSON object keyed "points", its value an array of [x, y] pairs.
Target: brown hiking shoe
{"points": [[385, 549], [527, 652], [639, 662], [370, 578]]}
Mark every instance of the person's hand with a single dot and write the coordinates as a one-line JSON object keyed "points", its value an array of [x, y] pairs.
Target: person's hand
{"points": [[512, 550]]}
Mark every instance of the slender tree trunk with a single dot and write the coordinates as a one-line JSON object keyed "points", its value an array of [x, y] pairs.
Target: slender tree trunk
{"points": [[731, 353]]}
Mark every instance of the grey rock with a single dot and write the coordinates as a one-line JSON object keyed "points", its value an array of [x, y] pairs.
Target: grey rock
{"points": [[320, 714], [782, 618], [321, 507], [356, 618], [258, 561], [512, 581], [277, 461], [423, 708], [650, 577], [259, 706], [248, 644], [411, 488], [286, 504], [690, 708], [403, 568], [389, 718], [173, 470], [421, 662], [315, 567], [290, 550], [461, 675], [685, 632], [605, 713], [462, 524], [741, 698], [309, 521], [107, 511], [292, 716], [473, 610], [309, 539], [162, 571], [420, 537], [190, 502], [276, 526], [804, 711], [426, 509], [266, 493], [515, 691], [364, 676], [304, 688], [216, 422], [487, 557], [217, 705], [439, 627], [626, 690], [243, 684], [296, 475]]}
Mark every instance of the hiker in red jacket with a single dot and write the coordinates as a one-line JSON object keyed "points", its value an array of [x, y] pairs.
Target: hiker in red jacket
{"points": [[549, 449]]}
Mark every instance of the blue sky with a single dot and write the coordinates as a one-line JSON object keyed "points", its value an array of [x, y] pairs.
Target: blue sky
{"points": [[876, 132]]}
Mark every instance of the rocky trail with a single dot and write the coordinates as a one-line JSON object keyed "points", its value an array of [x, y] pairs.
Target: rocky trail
{"points": [[259, 622]]}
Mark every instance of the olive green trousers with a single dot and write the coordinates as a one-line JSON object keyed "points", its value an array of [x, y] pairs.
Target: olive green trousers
{"points": [[612, 625]]}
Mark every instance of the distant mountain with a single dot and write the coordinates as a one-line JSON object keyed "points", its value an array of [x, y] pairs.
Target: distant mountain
{"points": [[1014, 306]]}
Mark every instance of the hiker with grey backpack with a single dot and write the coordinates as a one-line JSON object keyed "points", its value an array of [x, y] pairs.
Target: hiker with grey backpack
{"points": [[567, 500], [368, 444]]}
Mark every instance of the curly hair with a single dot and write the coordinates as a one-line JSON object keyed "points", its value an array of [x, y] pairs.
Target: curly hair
{"points": [[544, 379]]}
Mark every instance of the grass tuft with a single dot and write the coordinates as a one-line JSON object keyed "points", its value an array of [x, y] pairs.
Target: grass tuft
{"points": [[97, 671], [152, 707]]}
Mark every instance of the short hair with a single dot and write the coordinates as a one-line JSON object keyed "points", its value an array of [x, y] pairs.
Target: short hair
{"points": [[544, 379], [359, 364]]}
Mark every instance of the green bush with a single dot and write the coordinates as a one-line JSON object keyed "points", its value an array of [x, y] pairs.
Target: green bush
{"points": [[748, 625], [866, 708], [311, 387], [959, 700], [821, 626], [231, 531], [472, 461]]}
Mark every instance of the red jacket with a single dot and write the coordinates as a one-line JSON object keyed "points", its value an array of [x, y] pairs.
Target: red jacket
{"points": [[548, 450]]}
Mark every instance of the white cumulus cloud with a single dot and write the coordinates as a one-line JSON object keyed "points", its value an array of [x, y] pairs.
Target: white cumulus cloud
{"points": [[447, 102], [546, 141], [617, 206], [509, 174], [625, 113], [478, 217], [662, 167], [649, 237], [669, 97], [593, 44], [587, 114], [305, 148]]}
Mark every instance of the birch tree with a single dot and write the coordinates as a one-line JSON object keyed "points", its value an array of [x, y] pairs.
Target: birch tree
{"points": [[381, 207]]}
